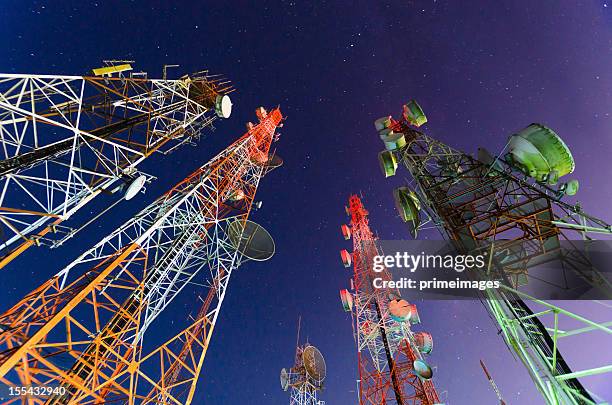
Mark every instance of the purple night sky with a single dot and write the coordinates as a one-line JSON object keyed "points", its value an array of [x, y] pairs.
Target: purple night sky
{"points": [[480, 70]]}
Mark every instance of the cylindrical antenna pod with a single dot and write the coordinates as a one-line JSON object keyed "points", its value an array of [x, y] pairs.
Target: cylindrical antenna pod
{"points": [[346, 258], [346, 231], [422, 369], [400, 310], [347, 300], [424, 342]]}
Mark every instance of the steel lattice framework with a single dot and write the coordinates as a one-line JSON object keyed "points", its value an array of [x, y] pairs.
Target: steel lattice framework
{"points": [[84, 329], [386, 348], [304, 391], [490, 206], [64, 140]]}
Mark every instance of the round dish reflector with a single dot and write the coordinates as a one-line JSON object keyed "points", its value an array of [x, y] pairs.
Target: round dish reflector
{"points": [[314, 363], [135, 186], [223, 106], [253, 242]]}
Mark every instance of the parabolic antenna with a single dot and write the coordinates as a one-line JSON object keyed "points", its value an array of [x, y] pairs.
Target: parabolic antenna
{"points": [[135, 186], [284, 379], [272, 163], [422, 369], [223, 106], [314, 363], [408, 206], [253, 242]]}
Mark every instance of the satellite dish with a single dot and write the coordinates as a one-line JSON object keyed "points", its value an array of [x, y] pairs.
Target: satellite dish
{"points": [[422, 369], [272, 163], [253, 242], [135, 186], [284, 379], [314, 363], [223, 106]]}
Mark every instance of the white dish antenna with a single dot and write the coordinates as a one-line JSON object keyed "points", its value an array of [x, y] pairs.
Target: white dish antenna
{"points": [[223, 106], [135, 186]]}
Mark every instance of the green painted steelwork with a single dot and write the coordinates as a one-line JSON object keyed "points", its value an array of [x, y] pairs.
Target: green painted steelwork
{"points": [[413, 113]]}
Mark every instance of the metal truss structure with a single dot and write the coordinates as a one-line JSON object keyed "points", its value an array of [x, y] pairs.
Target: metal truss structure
{"points": [[64, 140], [304, 391], [386, 348], [84, 329], [488, 206]]}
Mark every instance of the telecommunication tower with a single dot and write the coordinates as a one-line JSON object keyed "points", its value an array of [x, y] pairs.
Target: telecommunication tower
{"points": [[305, 377], [506, 206], [392, 368], [493, 384], [67, 139], [83, 330]]}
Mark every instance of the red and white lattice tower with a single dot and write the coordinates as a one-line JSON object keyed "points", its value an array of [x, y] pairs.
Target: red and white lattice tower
{"points": [[83, 331], [392, 369]]}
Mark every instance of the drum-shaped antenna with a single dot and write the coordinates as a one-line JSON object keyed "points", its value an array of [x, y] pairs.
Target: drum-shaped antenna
{"points": [[223, 106], [253, 242], [347, 300], [422, 369], [424, 342], [400, 310], [284, 379], [314, 363]]}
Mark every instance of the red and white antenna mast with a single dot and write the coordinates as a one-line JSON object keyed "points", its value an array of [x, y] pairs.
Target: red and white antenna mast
{"points": [[492, 382], [83, 331], [392, 369]]}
